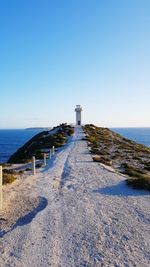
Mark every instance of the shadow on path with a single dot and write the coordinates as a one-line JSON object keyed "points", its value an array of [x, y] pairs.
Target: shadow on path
{"points": [[26, 219], [120, 190]]}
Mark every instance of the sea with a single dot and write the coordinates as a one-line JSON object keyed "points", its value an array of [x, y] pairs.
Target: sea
{"points": [[11, 140], [139, 135]]}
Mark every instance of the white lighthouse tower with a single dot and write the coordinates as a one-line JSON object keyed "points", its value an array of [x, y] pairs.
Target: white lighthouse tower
{"points": [[78, 110]]}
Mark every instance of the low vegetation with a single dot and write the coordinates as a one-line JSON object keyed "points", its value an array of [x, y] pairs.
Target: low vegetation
{"points": [[41, 142], [138, 178], [139, 183], [9, 176], [128, 157]]}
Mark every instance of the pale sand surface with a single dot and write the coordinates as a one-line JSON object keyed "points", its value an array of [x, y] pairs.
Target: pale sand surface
{"points": [[74, 212]]}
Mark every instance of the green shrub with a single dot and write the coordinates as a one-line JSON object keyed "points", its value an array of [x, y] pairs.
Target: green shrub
{"points": [[132, 171], [139, 183]]}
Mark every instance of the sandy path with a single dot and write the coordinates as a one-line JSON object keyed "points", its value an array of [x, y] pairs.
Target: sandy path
{"points": [[86, 217]]}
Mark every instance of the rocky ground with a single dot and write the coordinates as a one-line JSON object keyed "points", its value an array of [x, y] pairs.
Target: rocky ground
{"points": [[74, 212]]}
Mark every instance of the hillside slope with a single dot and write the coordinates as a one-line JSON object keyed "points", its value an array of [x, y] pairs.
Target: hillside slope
{"points": [[122, 154], [42, 142]]}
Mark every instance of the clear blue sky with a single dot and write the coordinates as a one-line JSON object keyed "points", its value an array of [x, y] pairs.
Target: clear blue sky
{"points": [[55, 54]]}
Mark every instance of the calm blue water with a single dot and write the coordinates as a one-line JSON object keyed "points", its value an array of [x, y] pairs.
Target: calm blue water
{"points": [[11, 140], [139, 135]]}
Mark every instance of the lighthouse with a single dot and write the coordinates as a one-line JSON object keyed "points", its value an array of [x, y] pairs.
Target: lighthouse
{"points": [[78, 110]]}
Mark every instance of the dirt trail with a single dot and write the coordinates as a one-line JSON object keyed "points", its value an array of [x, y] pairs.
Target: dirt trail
{"points": [[86, 216]]}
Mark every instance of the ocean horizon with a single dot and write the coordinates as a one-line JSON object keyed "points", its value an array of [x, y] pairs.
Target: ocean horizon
{"points": [[140, 135], [13, 139]]}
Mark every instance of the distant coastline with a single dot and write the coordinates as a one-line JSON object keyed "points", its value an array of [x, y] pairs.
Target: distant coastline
{"points": [[39, 128]]}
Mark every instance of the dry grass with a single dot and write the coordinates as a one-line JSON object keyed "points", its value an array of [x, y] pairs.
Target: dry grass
{"points": [[9, 176], [126, 156], [132, 171], [102, 159], [147, 166]]}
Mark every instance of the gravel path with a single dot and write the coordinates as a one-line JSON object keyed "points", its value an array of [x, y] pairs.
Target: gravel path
{"points": [[86, 216]]}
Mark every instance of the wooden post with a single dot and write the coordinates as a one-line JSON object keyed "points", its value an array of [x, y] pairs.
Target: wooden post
{"points": [[53, 150], [50, 153], [1, 189], [33, 165], [44, 159]]}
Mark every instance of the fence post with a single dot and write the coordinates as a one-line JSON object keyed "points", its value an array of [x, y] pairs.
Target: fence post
{"points": [[44, 159], [50, 153], [1, 189], [33, 165], [53, 150]]}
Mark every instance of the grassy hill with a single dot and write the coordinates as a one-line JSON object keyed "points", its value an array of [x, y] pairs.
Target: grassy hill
{"points": [[42, 142], [122, 154]]}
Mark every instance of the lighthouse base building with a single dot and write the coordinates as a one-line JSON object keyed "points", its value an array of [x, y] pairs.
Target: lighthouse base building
{"points": [[78, 111]]}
